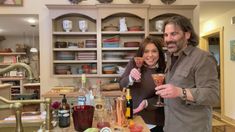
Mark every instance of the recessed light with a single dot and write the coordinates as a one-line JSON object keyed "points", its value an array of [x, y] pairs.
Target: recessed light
{"points": [[31, 20]]}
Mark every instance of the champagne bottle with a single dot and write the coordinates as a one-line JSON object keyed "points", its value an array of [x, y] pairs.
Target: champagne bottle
{"points": [[129, 105]]}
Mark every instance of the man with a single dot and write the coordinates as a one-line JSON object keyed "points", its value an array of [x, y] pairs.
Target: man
{"points": [[191, 80]]}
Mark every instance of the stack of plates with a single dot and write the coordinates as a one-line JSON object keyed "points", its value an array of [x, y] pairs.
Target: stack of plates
{"points": [[86, 55], [111, 42], [62, 69], [90, 43], [113, 55], [65, 55], [129, 55]]}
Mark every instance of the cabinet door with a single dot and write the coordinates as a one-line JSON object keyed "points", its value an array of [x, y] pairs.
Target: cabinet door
{"points": [[74, 45]]}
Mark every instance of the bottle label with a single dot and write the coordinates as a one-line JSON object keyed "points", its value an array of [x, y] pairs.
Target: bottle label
{"points": [[64, 118], [128, 112], [81, 100]]}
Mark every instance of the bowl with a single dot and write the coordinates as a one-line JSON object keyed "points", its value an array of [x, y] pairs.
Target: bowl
{"points": [[131, 44], [60, 44], [109, 71], [110, 28], [135, 28]]}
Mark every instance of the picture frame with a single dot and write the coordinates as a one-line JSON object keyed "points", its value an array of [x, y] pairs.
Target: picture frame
{"points": [[11, 2], [232, 50]]}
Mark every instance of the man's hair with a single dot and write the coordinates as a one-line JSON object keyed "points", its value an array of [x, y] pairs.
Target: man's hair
{"points": [[185, 25]]}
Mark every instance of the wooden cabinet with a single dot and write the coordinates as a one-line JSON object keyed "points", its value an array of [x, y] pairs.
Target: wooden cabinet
{"points": [[14, 77], [74, 52], [70, 55], [17, 85]]}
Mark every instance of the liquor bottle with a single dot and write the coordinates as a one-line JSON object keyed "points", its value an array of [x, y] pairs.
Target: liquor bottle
{"points": [[64, 113], [84, 97], [129, 105]]}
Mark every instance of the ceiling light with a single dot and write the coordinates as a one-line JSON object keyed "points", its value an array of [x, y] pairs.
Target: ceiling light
{"points": [[33, 50], [31, 20]]}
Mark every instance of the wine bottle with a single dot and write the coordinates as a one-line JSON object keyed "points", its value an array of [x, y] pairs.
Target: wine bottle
{"points": [[129, 105]]}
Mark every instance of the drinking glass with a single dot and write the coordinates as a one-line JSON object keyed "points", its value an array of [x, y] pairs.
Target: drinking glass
{"points": [[159, 80], [139, 62]]}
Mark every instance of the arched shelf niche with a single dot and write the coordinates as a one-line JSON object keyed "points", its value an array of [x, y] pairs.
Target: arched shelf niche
{"points": [[74, 17]]}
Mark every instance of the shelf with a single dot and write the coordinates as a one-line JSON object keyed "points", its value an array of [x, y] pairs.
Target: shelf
{"points": [[156, 33], [121, 48], [75, 61], [110, 75], [74, 33], [13, 53], [74, 49], [128, 32], [15, 86], [76, 75], [14, 94], [116, 61], [11, 78]]}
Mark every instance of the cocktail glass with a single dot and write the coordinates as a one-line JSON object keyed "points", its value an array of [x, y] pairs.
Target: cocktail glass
{"points": [[139, 62], [159, 80]]}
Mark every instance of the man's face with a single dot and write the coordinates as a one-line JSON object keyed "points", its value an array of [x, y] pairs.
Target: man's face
{"points": [[175, 38]]}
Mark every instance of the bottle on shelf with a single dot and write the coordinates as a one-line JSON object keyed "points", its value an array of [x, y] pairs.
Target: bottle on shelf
{"points": [[129, 105], [64, 113]]}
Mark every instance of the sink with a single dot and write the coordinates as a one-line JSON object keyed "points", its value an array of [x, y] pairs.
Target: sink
{"points": [[29, 126]]}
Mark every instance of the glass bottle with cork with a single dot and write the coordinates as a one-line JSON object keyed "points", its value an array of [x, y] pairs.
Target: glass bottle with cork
{"points": [[84, 95]]}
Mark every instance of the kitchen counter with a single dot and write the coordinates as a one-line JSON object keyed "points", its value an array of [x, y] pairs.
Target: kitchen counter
{"points": [[5, 85], [30, 125], [137, 120], [76, 94]]}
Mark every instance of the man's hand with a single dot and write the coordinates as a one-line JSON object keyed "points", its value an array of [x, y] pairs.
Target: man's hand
{"points": [[168, 91]]}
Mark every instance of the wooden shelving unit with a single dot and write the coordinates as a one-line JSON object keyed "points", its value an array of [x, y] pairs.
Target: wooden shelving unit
{"points": [[99, 16]]}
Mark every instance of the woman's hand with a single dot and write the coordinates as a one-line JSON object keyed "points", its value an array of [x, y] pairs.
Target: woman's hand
{"points": [[141, 106], [135, 74]]}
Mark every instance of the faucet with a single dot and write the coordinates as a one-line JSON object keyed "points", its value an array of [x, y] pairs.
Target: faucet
{"points": [[18, 65], [17, 105]]}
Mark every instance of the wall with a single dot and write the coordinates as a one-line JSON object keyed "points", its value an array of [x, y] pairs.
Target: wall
{"points": [[38, 7], [229, 71]]}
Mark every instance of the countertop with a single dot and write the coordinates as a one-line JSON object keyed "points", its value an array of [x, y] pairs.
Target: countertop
{"points": [[5, 85], [38, 122], [76, 94]]}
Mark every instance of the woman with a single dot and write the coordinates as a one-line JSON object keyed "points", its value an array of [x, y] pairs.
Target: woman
{"points": [[143, 93]]}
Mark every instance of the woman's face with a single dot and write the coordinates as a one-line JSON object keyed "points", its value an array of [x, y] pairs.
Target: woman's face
{"points": [[151, 55]]}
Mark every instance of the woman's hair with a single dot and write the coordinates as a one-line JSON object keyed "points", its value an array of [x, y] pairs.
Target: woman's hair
{"points": [[185, 25], [158, 43]]}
